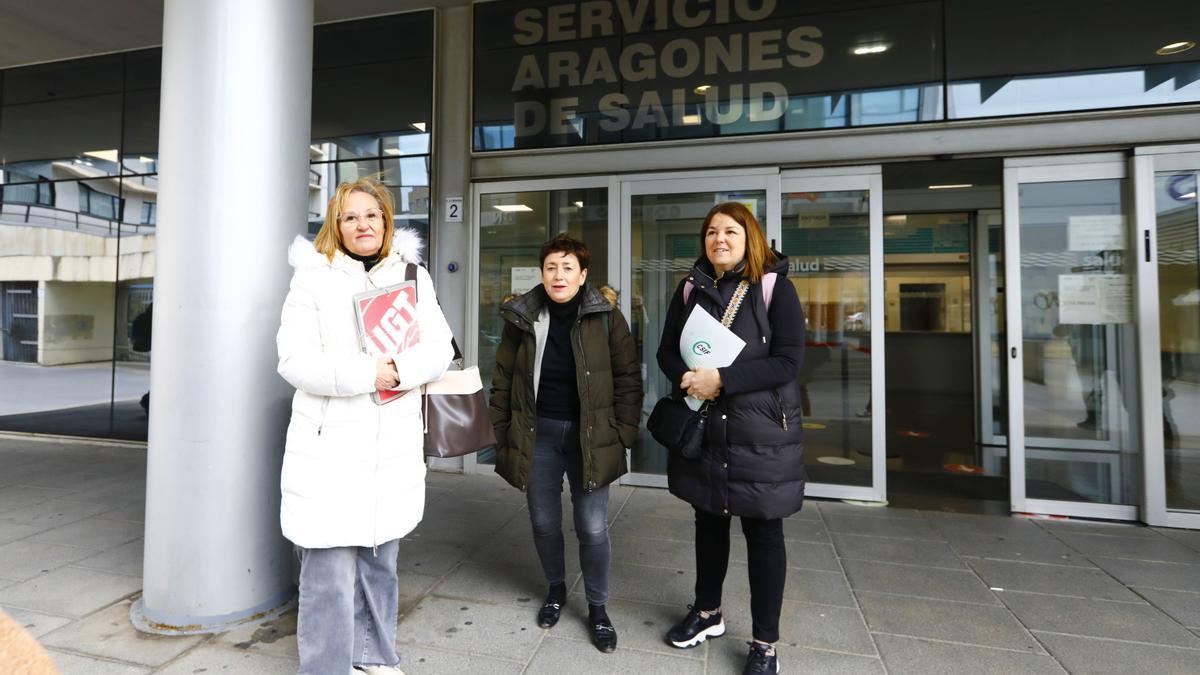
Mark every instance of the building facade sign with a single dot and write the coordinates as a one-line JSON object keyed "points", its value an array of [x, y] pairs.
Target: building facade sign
{"points": [[602, 71]]}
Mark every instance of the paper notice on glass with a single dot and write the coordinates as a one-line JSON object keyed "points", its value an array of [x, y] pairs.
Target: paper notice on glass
{"points": [[1095, 298], [524, 278], [705, 343], [1096, 233]]}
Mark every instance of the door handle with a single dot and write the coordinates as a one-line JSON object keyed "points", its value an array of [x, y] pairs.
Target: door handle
{"points": [[1014, 352]]}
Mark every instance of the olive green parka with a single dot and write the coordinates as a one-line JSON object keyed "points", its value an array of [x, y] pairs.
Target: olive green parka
{"points": [[608, 373]]}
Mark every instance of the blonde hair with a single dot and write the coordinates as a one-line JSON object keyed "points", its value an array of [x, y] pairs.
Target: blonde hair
{"points": [[758, 252], [329, 238]]}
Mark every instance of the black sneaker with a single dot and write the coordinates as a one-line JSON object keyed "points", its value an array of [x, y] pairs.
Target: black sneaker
{"points": [[551, 608], [695, 629], [762, 660], [604, 636]]}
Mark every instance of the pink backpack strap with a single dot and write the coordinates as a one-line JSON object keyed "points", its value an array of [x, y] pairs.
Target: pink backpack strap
{"points": [[687, 291], [768, 287]]}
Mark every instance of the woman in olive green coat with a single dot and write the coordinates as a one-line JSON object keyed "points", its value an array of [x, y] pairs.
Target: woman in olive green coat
{"points": [[567, 399]]}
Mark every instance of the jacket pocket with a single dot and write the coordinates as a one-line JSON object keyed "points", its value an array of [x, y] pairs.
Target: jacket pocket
{"points": [[780, 413]]}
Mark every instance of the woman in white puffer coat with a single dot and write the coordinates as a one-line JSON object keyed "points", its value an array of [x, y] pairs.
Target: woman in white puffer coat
{"points": [[353, 472]]}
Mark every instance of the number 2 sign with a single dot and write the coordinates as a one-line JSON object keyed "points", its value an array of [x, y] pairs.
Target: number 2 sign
{"points": [[453, 210]]}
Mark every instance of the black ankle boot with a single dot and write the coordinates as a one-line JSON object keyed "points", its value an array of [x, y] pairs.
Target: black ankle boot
{"points": [[604, 636], [551, 608]]}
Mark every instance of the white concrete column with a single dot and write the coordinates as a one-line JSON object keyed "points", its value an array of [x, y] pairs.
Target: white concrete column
{"points": [[233, 144]]}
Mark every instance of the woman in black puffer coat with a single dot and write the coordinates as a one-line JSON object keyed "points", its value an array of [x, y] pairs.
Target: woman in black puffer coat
{"points": [[752, 465]]}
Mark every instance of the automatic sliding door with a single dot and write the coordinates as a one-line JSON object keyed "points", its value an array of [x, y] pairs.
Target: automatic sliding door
{"points": [[1074, 432]]}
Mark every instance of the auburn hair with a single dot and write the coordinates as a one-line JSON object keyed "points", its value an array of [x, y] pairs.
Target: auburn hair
{"points": [[329, 237], [758, 252], [567, 245]]}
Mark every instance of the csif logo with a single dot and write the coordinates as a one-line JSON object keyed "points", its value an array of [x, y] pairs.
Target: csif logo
{"points": [[701, 348]]}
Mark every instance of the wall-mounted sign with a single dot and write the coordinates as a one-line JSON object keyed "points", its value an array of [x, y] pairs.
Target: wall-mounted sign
{"points": [[1096, 233], [525, 278], [1095, 298], [453, 213], [574, 73]]}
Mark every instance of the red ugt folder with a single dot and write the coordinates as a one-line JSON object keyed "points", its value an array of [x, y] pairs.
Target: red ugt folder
{"points": [[387, 325]]}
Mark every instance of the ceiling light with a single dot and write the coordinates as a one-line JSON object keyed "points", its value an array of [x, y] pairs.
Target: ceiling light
{"points": [[1187, 195], [419, 126], [702, 88], [691, 119], [512, 208], [146, 160], [1175, 47], [951, 186], [874, 48], [579, 204], [106, 155]]}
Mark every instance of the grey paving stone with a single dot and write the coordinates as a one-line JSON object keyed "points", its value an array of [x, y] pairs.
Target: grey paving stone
{"points": [[927, 657], [413, 588], [1171, 576], [1110, 529], [213, 658], [1097, 618], [480, 628], [53, 513], [109, 634], [134, 512], [838, 629], [36, 623], [809, 511], [1189, 538], [640, 625], [556, 656], [75, 664], [918, 581], [900, 528], [673, 587], [728, 656], [428, 557], [519, 586], [27, 558], [657, 503], [490, 515], [1182, 606], [275, 637], [519, 551], [833, 508], [10, 531], [488, 488], [125, 559], [800, 554], [442, 528], [805, 529], [70, 591], [826, 588], [1080, 582], [972, 624], [16, 496], [1042, 548], [420, 660], [952, 524], [651, 552], [1091, 655], [887, 549], [1158, 548], [651, 527], [93, 533]]}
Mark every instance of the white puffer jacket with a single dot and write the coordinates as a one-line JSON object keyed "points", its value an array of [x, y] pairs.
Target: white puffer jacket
{"points": [[353, 471]]}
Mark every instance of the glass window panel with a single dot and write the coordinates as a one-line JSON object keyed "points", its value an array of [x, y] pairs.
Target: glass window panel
{"points": [[666, 244], [826, 236], [512, 228], [1178, 222], [1079, 366]]}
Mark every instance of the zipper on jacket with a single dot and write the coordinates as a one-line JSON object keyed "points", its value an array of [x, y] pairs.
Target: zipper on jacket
{"points": [[587, 384], [782, 412], [324, 414]]}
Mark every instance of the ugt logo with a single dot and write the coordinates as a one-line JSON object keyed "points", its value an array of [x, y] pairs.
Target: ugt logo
{"points": [[701, 348], [390, 320]]}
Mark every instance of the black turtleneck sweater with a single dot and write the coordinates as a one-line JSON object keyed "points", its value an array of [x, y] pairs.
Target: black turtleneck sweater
{"points": [[368, 261], [558, 386]]}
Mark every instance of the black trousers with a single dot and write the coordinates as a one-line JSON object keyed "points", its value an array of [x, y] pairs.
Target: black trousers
{"points": [[767, 560]]}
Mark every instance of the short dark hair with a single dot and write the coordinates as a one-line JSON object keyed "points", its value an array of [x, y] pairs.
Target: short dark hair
{"points": [[565, 244]]}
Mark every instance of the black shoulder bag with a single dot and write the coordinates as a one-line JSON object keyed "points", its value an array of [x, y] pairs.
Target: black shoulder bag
{"points": [[672, 422]]}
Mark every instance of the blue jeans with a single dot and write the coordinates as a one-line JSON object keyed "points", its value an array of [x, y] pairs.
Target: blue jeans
{"points": [[348, 606], [556, 451]]}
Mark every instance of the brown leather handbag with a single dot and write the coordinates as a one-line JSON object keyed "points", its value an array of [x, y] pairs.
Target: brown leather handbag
{"points": [[454, 409]]}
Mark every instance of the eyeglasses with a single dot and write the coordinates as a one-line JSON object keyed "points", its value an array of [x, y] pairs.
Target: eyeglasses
{"points": [[353, 218]]}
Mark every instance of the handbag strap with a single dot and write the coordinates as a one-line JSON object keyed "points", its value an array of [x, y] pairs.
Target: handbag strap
{"points": [[410, 274], [735, 303]]}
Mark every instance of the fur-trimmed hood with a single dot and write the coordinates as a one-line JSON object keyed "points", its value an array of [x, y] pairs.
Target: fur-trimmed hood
{"points": [[406, 246]]}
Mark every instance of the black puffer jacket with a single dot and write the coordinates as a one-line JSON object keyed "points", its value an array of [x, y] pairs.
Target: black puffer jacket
{"points": [[753, 461]]}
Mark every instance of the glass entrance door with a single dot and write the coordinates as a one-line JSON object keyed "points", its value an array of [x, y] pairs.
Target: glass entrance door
{"points": [[1072, 352], [1169, 321], [661, 221]]}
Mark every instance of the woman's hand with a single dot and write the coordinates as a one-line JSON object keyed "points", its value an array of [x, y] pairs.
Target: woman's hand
{"points": [[385, 373], [702, 383]]}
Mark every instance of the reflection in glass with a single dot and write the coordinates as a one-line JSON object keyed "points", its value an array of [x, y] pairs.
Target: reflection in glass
{"points": [[1178, 217], [666, 244], [826, 236], [1079, 350], [512, 228]]}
